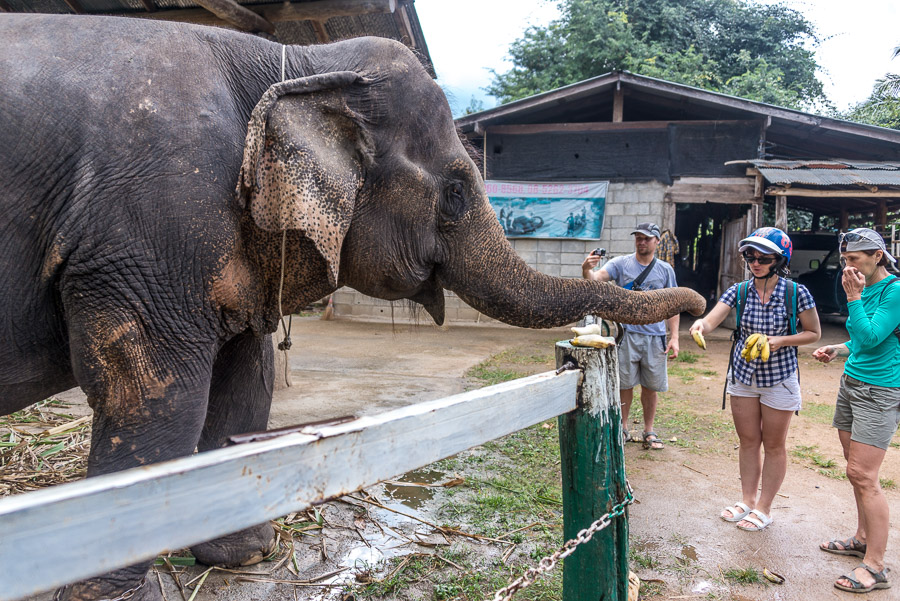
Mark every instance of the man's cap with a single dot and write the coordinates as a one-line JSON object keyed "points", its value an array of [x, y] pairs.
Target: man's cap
{"points": [[862, 238], [647, 228]]}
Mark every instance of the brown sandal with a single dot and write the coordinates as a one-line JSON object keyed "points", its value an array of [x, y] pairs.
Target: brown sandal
{"points": [[851, 546]]}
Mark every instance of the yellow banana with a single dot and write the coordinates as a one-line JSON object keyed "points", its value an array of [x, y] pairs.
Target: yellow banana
{"points": [[764, 353], [594, 328], [751, 339], [593, 340], [699, 339], [754, 351], [746, 354]]}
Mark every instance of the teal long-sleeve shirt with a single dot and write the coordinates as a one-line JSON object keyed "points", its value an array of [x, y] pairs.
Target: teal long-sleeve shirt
{"points": [[874, 349]]}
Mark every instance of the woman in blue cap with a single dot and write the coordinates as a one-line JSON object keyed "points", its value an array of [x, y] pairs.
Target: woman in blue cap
{"points": [[763, 384], [868, 402]]}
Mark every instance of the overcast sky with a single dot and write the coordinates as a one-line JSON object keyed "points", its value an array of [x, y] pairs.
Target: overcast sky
{"points": [[467, 38]]}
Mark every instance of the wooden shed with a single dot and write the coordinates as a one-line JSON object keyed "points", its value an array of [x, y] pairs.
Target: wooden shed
{"points": [[701, 164]]}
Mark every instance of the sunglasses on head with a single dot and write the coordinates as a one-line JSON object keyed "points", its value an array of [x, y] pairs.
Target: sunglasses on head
{"points": [[855, 237], [761, 260]]}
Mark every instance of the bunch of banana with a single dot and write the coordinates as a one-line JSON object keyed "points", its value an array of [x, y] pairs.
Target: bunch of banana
{"points": [[699, 339], [756, 346], [594, 328], [593, 340]]}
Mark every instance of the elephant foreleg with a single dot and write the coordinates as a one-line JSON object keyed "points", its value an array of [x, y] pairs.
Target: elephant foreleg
{"points": [[240, 396], [149, 396]]}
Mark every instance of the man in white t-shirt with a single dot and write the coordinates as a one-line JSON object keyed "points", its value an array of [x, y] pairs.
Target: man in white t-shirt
{"points": [[643, 350]]}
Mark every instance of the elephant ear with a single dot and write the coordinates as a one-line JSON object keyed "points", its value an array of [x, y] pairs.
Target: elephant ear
{"points": [[304, 161]]}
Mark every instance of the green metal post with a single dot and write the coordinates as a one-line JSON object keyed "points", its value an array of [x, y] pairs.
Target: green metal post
{"points": [[593, 478]]}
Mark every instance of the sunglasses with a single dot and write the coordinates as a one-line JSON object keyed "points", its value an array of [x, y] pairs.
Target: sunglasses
{"points": [[761, 260], [856, 237]]}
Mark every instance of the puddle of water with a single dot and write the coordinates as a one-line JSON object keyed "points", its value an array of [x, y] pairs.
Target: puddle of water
{"points": [[690, 552], [414, 496]]}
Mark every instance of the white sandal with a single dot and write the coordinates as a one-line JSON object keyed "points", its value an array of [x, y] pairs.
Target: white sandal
{"points": [[759, 520], [738, 512]]}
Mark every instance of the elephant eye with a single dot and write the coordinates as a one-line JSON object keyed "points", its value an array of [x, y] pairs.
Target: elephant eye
{"points": [[453, 202]]}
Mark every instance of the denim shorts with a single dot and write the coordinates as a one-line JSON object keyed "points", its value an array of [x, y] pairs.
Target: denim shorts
{"points": [[642, 360], [870, 413]]}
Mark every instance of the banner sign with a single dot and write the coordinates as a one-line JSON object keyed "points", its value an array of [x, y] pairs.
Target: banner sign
{"points": [[548, 209]]}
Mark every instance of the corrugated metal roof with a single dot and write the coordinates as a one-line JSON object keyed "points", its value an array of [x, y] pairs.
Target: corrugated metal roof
{"points": [[828, 172], [832, 177], [823, 164]]}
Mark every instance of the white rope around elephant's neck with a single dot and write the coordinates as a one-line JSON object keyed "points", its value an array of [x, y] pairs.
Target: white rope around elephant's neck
{"points": [[285, 344]]}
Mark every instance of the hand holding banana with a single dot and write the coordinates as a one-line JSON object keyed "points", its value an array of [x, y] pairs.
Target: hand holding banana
{"points": [[756, 346], [697, 334]]}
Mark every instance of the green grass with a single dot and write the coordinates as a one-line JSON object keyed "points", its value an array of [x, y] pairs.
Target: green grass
{"points": [[818, 412], [748, 575], [887, 483]]}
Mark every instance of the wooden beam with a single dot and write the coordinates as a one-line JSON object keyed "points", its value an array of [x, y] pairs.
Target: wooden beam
{"points": [[149, 6], [881, 213], [320, 10], [845, 219], [75, 6], [808, 192], [238, 16], [321, 32], [720, 190], [401, 18], [618, 104], [781, 221], [127, 517], [539, 128]]}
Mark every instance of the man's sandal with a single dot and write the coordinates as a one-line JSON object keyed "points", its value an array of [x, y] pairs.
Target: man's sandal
{"points": [[738, 512], [856, 586], [652, 441], [851, 546]]}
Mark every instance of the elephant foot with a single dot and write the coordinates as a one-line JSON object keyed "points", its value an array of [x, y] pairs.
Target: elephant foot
{"points": [[130, 584], [243, 548]]}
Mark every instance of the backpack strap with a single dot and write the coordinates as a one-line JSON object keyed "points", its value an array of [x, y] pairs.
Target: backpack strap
{"points": [[894, 280], [739, 302], [790, 307]]}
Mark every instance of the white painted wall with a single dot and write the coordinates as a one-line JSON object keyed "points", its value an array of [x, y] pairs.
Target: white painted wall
{"points": [[627, 204]]}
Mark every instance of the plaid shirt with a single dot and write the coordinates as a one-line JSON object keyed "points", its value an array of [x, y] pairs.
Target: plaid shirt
{"points": [[667, 248], [770, 319]]}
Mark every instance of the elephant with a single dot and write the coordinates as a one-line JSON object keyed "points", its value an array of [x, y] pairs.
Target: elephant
{"points": [[170, 191]]}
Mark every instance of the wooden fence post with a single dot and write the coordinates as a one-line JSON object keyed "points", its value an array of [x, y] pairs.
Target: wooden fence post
{"points": [[593, 478]]}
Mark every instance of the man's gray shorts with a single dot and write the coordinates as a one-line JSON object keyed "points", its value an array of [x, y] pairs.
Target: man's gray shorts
{"points": [[642, 360], [869, 413]]}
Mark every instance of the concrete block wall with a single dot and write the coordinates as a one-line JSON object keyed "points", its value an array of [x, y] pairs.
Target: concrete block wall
{"points": [[627, 204]]}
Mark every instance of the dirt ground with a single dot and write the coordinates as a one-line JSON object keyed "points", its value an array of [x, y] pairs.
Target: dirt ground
{"points": [[680, 546]]}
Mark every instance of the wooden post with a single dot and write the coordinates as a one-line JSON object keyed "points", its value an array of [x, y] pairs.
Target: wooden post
{"points": [[781, 221], [593, 475], [618, 104], [881, 215], [845, 219]]}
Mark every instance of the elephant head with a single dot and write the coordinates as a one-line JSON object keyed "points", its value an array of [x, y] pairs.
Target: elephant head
{"points": [[364, 159]]}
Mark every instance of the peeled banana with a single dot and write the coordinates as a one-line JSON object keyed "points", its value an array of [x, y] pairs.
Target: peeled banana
{"points": [[594, 328], [699, 339], [593, 340]]}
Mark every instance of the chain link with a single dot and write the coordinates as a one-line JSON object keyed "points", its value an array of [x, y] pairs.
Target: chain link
{"points": [[123, 597], [548, 563]]}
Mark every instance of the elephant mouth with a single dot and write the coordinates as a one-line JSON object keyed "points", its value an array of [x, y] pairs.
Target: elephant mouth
{"points": [[431, 296]]}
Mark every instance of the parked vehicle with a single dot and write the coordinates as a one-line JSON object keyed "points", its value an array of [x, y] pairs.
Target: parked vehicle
{"points": [[824, 283]]}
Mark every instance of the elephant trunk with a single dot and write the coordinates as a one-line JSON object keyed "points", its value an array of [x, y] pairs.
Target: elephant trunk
{"points": [[502, 286]]}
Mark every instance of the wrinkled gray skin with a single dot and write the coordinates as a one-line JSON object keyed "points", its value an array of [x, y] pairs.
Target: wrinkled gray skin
{"points": [[140, 242]]}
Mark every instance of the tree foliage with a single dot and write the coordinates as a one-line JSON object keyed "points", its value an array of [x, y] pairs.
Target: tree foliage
{"points": [[882, 107], [730, 46]]}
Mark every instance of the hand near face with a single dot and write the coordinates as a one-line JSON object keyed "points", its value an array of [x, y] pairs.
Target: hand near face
{"points": [[853, 282], [825, 354]]}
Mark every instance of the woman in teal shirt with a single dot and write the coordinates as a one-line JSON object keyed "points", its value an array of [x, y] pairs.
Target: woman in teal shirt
{"points": [[868, 403]]}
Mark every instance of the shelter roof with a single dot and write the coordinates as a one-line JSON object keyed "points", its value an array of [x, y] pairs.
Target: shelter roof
{"points": [[829, 173], [788, 133], [302, 22]]}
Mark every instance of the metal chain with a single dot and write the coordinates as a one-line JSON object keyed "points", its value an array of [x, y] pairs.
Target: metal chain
{"points": [[123, 597], [548, 563]]}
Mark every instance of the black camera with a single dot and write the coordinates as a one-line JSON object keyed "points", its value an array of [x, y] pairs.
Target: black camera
{"points": [[600, 252]]}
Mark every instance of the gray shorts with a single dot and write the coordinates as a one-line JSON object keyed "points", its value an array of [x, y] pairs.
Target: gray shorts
{"points": [[870, 413], [642, 360]]}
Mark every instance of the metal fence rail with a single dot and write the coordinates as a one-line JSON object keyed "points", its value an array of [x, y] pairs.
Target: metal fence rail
{"points": [[73, 531]]}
